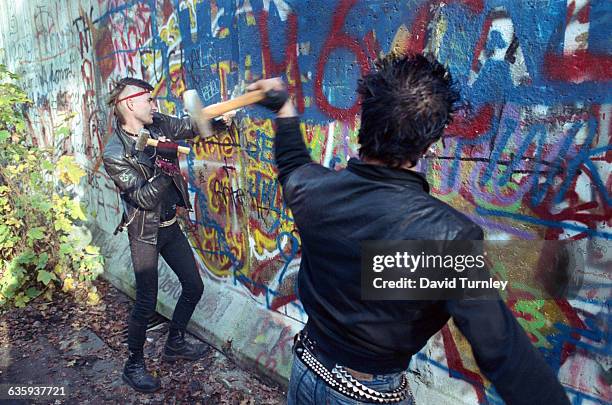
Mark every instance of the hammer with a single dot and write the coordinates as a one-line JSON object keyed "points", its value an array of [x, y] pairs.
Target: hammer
{"points": [[202, 115], [144, 140]]}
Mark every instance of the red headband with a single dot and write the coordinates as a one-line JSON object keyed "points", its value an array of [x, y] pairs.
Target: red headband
{"points": [[132, 96]]}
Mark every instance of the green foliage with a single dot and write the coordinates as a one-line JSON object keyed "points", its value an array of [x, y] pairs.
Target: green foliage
{"points": [[38, 217]]}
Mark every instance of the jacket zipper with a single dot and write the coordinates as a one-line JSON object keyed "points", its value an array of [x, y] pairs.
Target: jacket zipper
{"points": [[143, 212]]}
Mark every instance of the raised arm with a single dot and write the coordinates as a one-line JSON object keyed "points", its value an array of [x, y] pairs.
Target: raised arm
{"points": [[175, 128]]}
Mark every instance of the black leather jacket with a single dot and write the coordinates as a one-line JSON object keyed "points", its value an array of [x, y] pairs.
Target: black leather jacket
{"points": [[334, 211], [140, 183]]}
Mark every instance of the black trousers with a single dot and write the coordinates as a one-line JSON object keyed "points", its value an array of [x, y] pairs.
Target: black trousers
{"points": [[175, 249]]}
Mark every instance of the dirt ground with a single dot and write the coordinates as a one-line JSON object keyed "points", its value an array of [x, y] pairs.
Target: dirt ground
{"points": [[83, 348]]}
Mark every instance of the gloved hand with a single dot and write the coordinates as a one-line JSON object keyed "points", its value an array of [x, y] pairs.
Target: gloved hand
{"points": [[166, 158], [275, 100], [275, 91], [166, 166], [168, 150]]}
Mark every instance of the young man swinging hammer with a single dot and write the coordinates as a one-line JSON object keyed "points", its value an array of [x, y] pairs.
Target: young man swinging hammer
{"points": [[151, 188], [141, 158]]}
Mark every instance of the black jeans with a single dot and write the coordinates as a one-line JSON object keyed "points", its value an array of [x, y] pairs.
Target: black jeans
{"points": [[174, 248]]}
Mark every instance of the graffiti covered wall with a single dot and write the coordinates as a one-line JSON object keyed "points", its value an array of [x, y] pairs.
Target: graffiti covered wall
{"points": [[528, 156]]}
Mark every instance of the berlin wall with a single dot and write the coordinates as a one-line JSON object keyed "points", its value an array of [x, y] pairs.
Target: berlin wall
{"points": [[528, 156]]}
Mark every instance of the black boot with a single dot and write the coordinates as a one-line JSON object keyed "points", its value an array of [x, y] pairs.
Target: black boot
{"points": [[178, 348], [135, 374]]}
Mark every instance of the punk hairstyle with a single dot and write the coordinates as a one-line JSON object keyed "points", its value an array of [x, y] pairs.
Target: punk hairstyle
{"points": [[406, 102], [118, 87]]}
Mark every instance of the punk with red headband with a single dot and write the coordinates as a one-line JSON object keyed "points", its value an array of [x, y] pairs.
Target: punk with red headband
{"points": [[151, 188]]}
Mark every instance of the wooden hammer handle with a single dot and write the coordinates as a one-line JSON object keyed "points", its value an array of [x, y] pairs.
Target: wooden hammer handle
{"points": [[184, 150], [221, 108], [181, 149]]}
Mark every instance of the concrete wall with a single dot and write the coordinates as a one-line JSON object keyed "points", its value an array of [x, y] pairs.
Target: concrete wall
{"points": [[528, 158]]}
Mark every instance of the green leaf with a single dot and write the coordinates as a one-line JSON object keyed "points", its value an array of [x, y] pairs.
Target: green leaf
{"points": [[15, 267], [36, 233], [43, 205], [26, 257], [97, 269], [42, 260], [4, 232], [47, 165], [21, 300], [63, 132], [65, 248], [45, 277], [13, 276], [33, 292], [76, 211], [4, 135], [92, 250], [62, 224], [69, 171]]}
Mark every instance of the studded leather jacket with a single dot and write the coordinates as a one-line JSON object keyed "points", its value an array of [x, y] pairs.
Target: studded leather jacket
{"points": [[141, 184]]}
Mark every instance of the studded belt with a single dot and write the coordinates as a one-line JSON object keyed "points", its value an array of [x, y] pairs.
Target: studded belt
{"points": [[341, 380]]}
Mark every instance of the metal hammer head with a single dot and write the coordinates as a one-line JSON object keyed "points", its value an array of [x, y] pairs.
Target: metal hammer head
{"points": [[194, 107], [143, 137]]}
